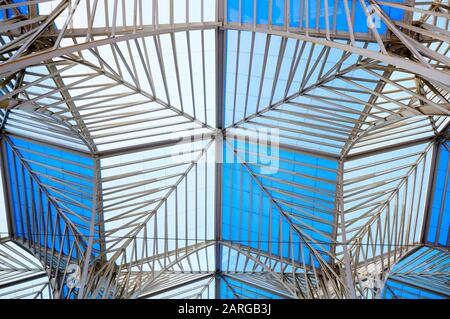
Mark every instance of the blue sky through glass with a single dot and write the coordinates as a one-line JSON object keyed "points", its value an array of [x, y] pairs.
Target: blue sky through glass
{"points": [[440, 212], [309, 17], [66, 178], [302, 186], [407, 279]]}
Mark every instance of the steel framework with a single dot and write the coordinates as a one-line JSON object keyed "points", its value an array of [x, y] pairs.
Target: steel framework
{"points": [[99, 99]]}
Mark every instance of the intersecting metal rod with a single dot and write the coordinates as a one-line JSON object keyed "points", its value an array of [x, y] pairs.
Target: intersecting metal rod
{"points": [[429, 73], [25, 61]]}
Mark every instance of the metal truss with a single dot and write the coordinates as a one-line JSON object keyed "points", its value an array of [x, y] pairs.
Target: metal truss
{"points": [[114, 91], [429, 275], [22, 276]]}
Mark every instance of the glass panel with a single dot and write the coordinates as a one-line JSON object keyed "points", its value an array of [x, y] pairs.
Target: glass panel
{"points": [[302, 186], [43, 180], [439, 225]]}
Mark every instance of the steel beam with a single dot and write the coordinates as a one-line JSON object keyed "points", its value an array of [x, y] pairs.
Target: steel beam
{"points": [[220, 105], [390, 148], [348, 267], [174, 287], [436, 154], [6, 188], [35, 58]]}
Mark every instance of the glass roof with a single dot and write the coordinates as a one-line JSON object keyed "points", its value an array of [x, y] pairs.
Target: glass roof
{"points": [[420, 275], [224, 148]]}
